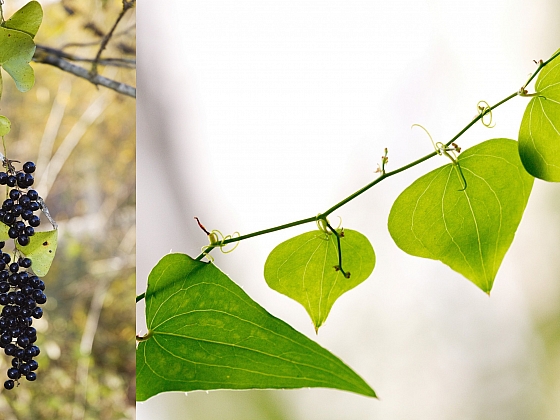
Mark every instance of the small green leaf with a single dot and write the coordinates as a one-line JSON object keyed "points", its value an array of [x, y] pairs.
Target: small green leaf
{"points": [[206, 333], [539, 135], [302, 268], [4, 232], [5, 125], [470, 230], [41, 250], [27, 19], [16, 51]]}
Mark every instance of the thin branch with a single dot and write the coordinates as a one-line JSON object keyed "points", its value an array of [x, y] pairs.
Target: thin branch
{"points": [[115, 62], [127, 4], [99, 41], [46, 58]]}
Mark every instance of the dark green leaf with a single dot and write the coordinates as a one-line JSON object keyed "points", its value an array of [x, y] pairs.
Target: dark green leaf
{"points": [[470, 230], [206, 333], [302, 268], [539, 135]]}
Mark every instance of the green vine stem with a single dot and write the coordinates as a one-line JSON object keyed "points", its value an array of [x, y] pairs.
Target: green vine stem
{"points": [[384, 175]]}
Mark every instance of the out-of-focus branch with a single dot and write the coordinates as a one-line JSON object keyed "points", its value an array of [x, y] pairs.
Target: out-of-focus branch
{"points": [[114, 62], [42, 56], [127, 4]]}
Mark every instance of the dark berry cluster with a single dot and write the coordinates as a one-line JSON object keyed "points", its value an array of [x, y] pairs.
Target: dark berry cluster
{"points": [[18, 209], [20, 294]]}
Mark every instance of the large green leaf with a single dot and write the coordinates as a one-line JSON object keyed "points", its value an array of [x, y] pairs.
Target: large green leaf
{"points": [[16, 51], [539, 135], [27, 19], [206, 333], [470, 230], [303, 268]]}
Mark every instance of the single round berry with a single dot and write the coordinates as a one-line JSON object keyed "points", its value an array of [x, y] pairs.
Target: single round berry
{"points": [[33, 195], [31, 376], [37, 313], [24, 200], [25, 262], [29, 167], [28, 180], [23, 240], [33, 220], [11, 181], [3, 178], [13, 373], [24, 369], [4, 287], [34, 206], [29, 231], [10, 349], [14, 194], [41, 299], [17, 210], [9, 218], [7, 204], [13, 232], [23, 341], [26, 214], [33, 365], [4, 298], [9, 384], [6, 338], [14, 267], [6, 258], [41, 285]]}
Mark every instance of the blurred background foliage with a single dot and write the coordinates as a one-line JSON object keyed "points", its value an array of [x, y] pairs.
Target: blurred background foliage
{"points": [[83, 141]]}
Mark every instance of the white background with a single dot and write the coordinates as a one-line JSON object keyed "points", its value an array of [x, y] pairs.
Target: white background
{"points": [[253, 114]]}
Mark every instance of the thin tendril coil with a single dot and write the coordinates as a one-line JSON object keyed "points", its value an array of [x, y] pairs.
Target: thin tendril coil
{"points": [[217, 240], [484, 108]]}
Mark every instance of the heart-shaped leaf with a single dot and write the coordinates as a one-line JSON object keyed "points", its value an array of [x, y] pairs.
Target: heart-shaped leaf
{"points": [[470, 230], [27, 19], [206, 333], [302, 268], [16, 51], [539, 135]]}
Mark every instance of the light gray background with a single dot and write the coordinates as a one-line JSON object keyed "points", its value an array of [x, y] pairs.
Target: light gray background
{"points": [[257, 113]]}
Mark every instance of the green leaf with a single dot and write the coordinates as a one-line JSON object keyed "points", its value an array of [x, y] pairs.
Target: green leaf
{"points": [[41, 250], [16, 51], [539, 135], [27, 19], [302, 268], [470, 230], [4, 232], [5, 125], [206, 333]]}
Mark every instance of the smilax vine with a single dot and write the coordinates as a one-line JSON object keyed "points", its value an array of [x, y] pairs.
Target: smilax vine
{"points": [[205, 332], [21, 290]]}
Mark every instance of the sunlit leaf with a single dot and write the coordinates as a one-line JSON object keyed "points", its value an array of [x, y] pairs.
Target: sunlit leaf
{"points": [[41, 250], [303, 268], [470, 230], [539, 135], [206, 333], [16, 51], [5, 125], [27, 19]]}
